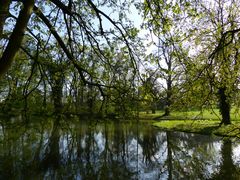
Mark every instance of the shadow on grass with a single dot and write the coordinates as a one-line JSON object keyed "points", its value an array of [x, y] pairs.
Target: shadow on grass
{"points": [[208, 130], [164, 117]]}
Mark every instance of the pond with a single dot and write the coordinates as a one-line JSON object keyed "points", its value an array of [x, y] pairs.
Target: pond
{"points": [[74, 149]]}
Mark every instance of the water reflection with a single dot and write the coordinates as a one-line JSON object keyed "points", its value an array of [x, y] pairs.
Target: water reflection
{"points": [[72, 149]]}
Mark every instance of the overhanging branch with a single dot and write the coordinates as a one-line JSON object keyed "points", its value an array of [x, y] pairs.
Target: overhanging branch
{"points": [[16, 37]]}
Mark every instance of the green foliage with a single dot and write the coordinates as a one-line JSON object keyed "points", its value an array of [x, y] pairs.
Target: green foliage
{"points": [[88, 66]]}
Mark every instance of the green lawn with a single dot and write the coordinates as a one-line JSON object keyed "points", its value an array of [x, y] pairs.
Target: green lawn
{"points": [[210, 114], [209, 127], [205, 122]]}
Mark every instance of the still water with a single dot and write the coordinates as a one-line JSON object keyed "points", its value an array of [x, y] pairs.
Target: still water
{"points": [[73, 149]]}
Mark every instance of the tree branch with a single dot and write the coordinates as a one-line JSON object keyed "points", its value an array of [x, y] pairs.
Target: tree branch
{"points": [[16, 37], [66, 51]]}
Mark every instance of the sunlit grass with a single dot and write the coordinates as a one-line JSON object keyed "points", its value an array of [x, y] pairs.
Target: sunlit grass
{"points": [[209, 127], [203, 122], [207, 114]]}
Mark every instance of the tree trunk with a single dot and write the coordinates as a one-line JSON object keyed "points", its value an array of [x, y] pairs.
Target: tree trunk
{"points": [[16, 37], [167, 111], [153, 111], [224, 106], [90, 99], [169, 96], [153, 106], [57, 95]]}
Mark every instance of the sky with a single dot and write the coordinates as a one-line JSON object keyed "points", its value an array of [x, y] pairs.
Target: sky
{"points": [[137, 19]]}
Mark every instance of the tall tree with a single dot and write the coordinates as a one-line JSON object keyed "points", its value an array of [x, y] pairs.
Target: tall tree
{"points": [[216, 41], [164, 21], [209, 36], [82, 34], [72, 27]]}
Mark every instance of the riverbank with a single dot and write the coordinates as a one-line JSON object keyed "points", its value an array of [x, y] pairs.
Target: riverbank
{"points": [[206, 122], [208, 127]]}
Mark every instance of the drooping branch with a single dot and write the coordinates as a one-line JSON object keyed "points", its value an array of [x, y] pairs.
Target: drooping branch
{"points": [[81, 70], [99, 13], [16, 37]]}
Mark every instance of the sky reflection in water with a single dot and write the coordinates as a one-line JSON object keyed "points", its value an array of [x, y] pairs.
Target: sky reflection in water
{"points": [[72, 149]]}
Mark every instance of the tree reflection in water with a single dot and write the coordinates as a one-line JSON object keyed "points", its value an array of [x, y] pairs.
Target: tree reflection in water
{"points": [[72, 149], [227, 169]]}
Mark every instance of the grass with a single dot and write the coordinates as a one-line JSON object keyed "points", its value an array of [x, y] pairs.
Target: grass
{"points": [[207, 114], [205, 122], [208, 127]]}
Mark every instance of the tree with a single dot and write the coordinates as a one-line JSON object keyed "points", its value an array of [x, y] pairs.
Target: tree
{"points": [[149, 91], [80, 27], [84, 37], [218, 32], [164, 21], [207, 37]]}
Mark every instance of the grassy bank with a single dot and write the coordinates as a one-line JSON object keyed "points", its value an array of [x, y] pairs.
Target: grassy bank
{"points": [[205, 122], [207, 114], [208, 127]]}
